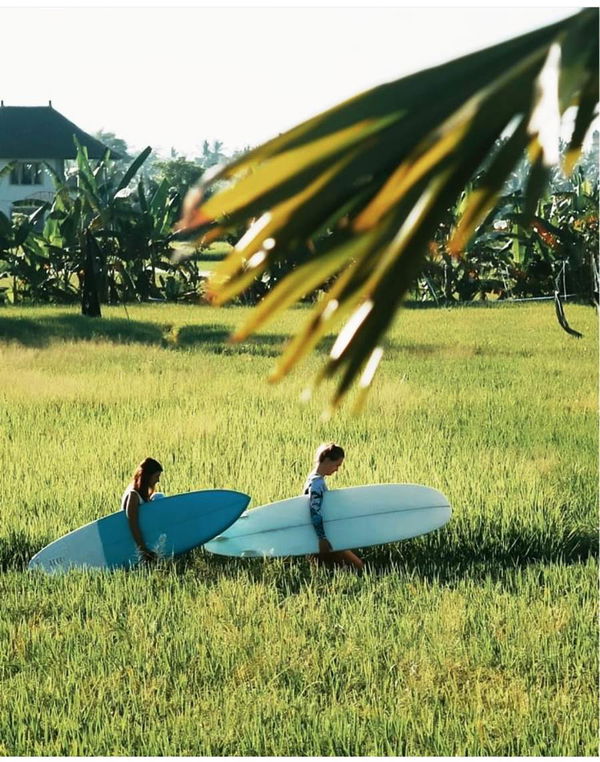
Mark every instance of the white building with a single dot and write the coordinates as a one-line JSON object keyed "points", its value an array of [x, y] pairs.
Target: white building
{"points": [[29, 137]]}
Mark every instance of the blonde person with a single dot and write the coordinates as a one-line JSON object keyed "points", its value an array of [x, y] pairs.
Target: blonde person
{"points": [[328, 458], [140, 491]]}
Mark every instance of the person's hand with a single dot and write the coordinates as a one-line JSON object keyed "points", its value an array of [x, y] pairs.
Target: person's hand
{"points": [[324, 545], [149, 556]]}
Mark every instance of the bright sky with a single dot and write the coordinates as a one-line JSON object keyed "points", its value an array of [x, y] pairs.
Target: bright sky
{"points": [[175, 76]]}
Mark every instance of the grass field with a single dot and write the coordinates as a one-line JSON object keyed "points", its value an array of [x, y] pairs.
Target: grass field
{"points": [[479, 639]]}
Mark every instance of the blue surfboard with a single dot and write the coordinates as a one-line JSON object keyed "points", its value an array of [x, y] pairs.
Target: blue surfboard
{"points": [[170, 526]]}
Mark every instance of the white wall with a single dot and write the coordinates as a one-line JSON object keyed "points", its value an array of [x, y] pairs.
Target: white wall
{"points": [[11, 193]]}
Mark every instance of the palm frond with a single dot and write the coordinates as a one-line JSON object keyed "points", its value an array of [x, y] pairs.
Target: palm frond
{"points": [[369, 181]]}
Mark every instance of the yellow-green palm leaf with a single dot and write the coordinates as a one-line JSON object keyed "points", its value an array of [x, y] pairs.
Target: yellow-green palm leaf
{"points": [[378, 172]]}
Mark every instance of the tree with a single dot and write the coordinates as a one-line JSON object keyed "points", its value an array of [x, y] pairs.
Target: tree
{"points": [[85, 220], [179, 174], [372, 178], [118, 145], [211, 155]]}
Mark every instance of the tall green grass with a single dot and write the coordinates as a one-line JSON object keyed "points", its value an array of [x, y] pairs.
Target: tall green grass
{"points": [[478, 639]]}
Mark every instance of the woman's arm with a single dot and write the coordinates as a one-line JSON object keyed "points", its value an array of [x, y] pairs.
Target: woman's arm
{"points": [[315, 502], [132, 509]]}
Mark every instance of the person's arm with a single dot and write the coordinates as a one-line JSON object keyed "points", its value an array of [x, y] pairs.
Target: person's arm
{"points": [[132, 509], [315, 503]]}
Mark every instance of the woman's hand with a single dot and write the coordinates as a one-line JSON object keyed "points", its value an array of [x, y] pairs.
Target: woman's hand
{"points": [[324, 545], [149, 556]]}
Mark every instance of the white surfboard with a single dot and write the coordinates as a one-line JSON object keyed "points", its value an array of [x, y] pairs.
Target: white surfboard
{"points": [[356, 517]]}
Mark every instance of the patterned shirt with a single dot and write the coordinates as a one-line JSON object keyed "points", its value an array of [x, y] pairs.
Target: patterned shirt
{"points": [[315, 488]]}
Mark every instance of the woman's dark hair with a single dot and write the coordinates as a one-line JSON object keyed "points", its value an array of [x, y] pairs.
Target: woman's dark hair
{"points": [[142, 475], [329, 451]]}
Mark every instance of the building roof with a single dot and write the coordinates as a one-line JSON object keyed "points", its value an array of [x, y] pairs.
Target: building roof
{"points": [[41, 132]]}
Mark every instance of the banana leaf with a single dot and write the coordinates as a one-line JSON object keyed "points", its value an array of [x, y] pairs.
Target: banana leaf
{"points": [[133, 168]]}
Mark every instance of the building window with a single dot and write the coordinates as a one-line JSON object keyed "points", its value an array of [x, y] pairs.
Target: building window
{"points": [[26, 173]]}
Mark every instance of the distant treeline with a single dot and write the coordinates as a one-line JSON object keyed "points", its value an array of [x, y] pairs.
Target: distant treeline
{"points": [[107, 238]]}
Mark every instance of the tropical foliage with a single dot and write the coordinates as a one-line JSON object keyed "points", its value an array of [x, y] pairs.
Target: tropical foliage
{"points": [[105, 238], [368, 183], [44, 259], [511, 256]]}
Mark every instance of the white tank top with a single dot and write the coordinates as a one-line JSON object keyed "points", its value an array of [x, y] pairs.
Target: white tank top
{"points": [[126, 494]]}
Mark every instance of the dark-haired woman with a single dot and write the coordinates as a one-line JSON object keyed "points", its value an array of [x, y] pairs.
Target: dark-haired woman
{"points": [[140, 491], [328, 458]]}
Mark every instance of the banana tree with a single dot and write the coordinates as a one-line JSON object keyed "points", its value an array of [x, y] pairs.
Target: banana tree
{"points": [[85, 222], [22, 260], [559, 239], [143, 232], [378, 173]]}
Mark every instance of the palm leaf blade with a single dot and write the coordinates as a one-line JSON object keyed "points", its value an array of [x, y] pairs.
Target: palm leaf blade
{"points": [[363, 170]]}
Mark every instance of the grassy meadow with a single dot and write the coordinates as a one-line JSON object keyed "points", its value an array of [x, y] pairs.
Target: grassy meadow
{"points": [[479, 639]]}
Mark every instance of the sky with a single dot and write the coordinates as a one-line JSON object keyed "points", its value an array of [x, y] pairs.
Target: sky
{"points": [[171, 77]]}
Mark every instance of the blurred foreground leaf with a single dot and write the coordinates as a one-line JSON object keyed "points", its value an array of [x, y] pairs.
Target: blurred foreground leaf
{"points": [[370, 180]]}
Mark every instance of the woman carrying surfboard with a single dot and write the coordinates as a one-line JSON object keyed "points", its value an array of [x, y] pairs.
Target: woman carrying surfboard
{"points": [[140, 491], [328, 458]]}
